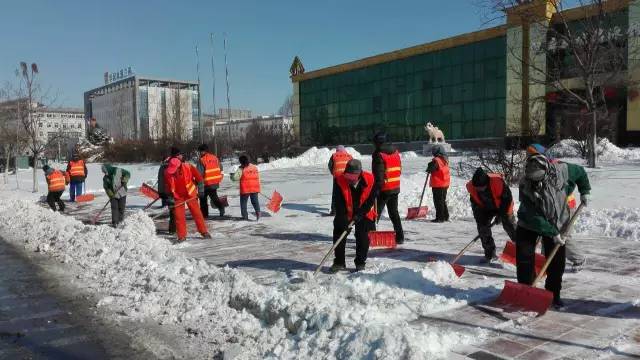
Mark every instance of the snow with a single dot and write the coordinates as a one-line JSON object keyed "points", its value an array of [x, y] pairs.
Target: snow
{"points": [[311, 157], [607, 151]]}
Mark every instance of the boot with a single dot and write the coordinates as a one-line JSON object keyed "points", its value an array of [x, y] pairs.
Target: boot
{"points": [[360, 267], [489, 256], [558, 304], [337, 268], [207, 236], [221, 211]]}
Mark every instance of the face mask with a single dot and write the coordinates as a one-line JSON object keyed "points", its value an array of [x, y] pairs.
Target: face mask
{"points": [[352, 178]]}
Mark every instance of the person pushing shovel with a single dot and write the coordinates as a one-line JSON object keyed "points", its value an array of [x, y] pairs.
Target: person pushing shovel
{"points": [[115, 186], [543, 212], [354, 205]]}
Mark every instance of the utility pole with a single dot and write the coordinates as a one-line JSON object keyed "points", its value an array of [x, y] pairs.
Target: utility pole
{"points": [[199, 93], [213, 98], [226, 70]]}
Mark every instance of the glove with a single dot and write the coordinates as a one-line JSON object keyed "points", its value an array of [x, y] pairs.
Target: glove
{"points": [[110, 193], [171, 201], [358, 216], [585, 199], [558, 240]]}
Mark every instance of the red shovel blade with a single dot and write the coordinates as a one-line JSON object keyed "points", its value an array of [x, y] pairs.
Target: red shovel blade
{"points": [[275, 202], [509, 256], [382, 240], [85, 197], [521, 297], [417, 212], [458, 269], [224, 201], [149, 192]]}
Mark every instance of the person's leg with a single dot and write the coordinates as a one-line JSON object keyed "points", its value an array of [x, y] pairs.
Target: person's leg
{"points": [[437, 203], [525, 255], [381, 202], [204, 207], [555, 269], [483, 223], [255, 202], [51, 201], [197, 217], [445, 207], [58, 197], [362, 240], [243, 206], [392, 209], [181, 221], [338, 229], [573, 252], [115, 219], [334, 191], [81, 188], [172, 221], [72, 191]]}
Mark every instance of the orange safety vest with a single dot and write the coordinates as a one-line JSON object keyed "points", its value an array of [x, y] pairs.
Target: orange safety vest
{"points": [[56, 181], [496, 185], [212, 173], [76, 168], [346, 193], [392, 171], [250, 180], [441, 178], [181, 182], [340, 160]]}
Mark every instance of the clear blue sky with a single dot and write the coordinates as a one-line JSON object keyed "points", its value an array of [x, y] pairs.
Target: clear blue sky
{"points": [[75, 42]]}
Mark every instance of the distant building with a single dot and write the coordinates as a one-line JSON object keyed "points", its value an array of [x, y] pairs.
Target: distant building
{"points": [[236, 114], [142, 108], [60, 123], [237, 129]]}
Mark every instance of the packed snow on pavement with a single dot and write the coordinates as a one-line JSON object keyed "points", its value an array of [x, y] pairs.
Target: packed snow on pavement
{"points": [[137, 275]]}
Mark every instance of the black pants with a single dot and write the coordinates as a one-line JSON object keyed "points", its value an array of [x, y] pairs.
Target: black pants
{"points": [[211, 194], [117, 210], [362, 241], [440, 203], [53, 198], [335, 191], [172, 218], [483, 222], [525, 260], [391, 202]]}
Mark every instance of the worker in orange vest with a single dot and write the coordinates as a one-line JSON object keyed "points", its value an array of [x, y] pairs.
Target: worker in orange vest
{"points": [[56, 182], [249, 178], [77, 170], [386, 166], [211, 170], [355, 202], [440, 180], [337, 162], [491, 198], [182, 181]]}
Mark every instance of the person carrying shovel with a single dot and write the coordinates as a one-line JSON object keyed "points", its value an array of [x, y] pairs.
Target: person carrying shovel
{"points": [[543, 212], [114, 183], [354, 205], [491, 198], [386, 166]]}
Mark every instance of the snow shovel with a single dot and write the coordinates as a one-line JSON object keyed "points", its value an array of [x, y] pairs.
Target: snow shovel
{"points": [[459, 269], [223, 201], [521, 297], [95, 219], [172, 207], [509, 256], [420, 211], [340, 239], [381, 239], [85, 197], [149, 192], [275, 201]]}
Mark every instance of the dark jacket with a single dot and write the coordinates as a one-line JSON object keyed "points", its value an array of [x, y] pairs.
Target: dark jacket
{"points": [[115, 181], [378, 168], [161, 187], [341, 219]]}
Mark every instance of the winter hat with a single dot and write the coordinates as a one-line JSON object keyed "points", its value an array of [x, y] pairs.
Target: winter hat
{"points": [[380, 138], [174, 151], [536, 167], [45, 168], [340, 148], [354, 166], [203, 147], [173, 166], [75, 157], [534, 149], [437, 150], [244, 160], [480, 178]]}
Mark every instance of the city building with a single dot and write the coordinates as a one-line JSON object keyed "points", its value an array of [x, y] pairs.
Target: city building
{"points": [[237, 129], [468, 85], [145, 108], [236, 114], [60, 123]]}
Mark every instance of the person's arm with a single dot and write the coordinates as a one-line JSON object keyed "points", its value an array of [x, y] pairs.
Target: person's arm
{"points": [[578, 176], [432, 166], [370, 201], [200, 166], [237, 175], [107, 185], [506, 199], [197, 175], [69, 167], [377, 167], [528, 215], [331, 165], [86, 172]]}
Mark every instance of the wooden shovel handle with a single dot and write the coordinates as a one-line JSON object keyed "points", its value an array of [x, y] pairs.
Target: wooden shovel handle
{"points": [[340, 239], [455, 260], [426, 181]]}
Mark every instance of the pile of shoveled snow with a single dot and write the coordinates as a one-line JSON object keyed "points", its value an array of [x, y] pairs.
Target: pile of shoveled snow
{"points": [[408, 155], [141, 276], [621, 222], [607, 151], [311, 157]]}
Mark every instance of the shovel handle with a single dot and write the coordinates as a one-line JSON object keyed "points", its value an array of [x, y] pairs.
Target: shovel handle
{"points": [[172, 207], [565, 231], [426, 181], [268, 198], [340, 239], [95, 219], [495, 221], [149, 205]]}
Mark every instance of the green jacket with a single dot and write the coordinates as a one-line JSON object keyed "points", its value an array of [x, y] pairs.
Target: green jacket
{"points": [[115, 181], [545, 210]]}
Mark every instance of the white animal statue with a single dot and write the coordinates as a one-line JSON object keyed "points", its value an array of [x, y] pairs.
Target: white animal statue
{"points": [[434, 134]]}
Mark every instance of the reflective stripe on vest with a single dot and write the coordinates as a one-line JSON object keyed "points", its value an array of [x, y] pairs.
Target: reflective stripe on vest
{"points": [[392, 171], [441, 177], [496, 186], [344, 186], [56, 181], [250, 180], [76, 168], [340, 160], [212, 173]]}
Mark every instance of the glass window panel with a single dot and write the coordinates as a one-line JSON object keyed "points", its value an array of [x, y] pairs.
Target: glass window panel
{"points": [[436, 96], [478, 111], [478, 71], [490, 89], [490, 110], [447, 94], [456, 131], [478, 91], [467, 73]]}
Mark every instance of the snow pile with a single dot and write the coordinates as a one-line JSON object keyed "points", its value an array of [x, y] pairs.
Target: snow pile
{"points": [[567, 148], [607, 151], [408, 155], [311, 157], [140, 276], [622, 223]]}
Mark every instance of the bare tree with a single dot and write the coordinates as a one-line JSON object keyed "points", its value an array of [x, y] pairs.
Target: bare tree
{"points": [[286, 109], [577, 54], [8, 127]]}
